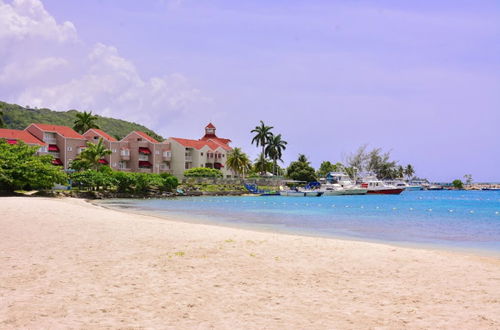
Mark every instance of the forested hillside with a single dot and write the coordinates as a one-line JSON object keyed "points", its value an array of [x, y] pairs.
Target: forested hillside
{"points": [[18, 117]]}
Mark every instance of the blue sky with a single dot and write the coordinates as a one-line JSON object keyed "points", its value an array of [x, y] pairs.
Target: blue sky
{"points": [[418, 78]]}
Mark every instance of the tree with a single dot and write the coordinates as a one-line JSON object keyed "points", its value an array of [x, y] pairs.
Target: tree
{"points": [[409, 171], [262, 163], [238, 161], [262, 136], [85, 121], [275, 149], [300, 170], [2, 122], [91, 157], [458, 184], [468, 179], [21, 168], [327, 167]]}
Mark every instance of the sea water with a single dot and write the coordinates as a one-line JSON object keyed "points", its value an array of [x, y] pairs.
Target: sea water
{"points": [[465, 220]]}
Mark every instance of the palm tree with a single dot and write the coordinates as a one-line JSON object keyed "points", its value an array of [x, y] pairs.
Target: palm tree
{"points": [[261, 138], [2, 122], [303, 159], [85, 121], [409, 171], [91, 157], [238, 161], [275, 149]]}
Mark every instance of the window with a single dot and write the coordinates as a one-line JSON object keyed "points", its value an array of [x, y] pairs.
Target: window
{"points": [[139, 139], [70, 149], [114, 164], [157, 152], [96, 138], [186, 166], [202, 153], [114, 150]]}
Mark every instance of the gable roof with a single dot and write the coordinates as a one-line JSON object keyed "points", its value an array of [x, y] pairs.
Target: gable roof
{"points": [[147, 137], [210, 125], [198, 144], [65, 131], [103, 134], [15, 134]]}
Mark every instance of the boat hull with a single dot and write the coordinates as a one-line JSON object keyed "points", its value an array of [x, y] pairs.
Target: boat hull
{"points": [[389, 191], [301, 193], [414, 188], [355, 191]]}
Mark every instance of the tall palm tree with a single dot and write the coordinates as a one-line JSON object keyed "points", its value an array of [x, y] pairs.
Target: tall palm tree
{"points": [[85, 121], [275, 149], [2, 122], [238, 161], [262, 136], [92, 155], [303, 159], [409, 171]]}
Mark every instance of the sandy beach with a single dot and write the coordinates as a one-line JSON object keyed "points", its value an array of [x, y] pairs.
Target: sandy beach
{"points": [[65, 263]]}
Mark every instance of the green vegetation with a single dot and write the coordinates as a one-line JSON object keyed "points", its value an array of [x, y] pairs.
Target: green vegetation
{"points": [[301, 170], [274, 149], [22, 169], [202, 172], [122, 182], [17, 117], [261, 138], [378, 163], [85, 121], [91, 157], [458, 184], [327, 167], [2, 122], [468, 179], [238, 161]]}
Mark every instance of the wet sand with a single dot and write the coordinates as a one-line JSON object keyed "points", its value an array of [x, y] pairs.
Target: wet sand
{"points": [[65, 263]]}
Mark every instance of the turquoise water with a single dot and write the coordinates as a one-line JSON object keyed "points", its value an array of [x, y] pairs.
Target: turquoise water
{"points": [[468, 220]]}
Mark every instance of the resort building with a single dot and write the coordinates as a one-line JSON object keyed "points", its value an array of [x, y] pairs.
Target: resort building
{"points": [[136, 152], [209, 151], [63, 143]]}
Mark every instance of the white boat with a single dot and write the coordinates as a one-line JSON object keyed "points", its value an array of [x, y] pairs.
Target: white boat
{"points": [[343, 180], [301, 193], [404, 185], [375, 186], [332, 189]]}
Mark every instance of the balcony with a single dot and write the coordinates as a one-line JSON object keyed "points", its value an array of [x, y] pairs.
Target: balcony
{"points": [[189, 158], [50, 140], [167, 156], [144, 170], [143, 157]]}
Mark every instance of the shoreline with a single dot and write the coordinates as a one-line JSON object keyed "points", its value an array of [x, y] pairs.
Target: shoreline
{"points": [[185, 218], [70, 263]]}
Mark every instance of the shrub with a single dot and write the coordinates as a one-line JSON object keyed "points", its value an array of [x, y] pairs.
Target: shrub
{"points": [[202, 172], [21, 168]]}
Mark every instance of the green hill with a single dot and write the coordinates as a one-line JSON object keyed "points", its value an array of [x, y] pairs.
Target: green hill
{"points": [[17, 117]]}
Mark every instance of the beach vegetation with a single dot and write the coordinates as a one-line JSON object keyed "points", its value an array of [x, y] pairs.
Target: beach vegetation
{"points": [[2, 121], [458, 184], [203, 172], [92, 157], [274, 149], [22, 169], [85, 121], [261, 138], [409, 171], [123, 182], [468, 179], [238, 162], [301, 170]]}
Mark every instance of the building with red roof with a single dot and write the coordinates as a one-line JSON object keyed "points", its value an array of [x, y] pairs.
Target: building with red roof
{"points": [[13, 136], [208, 151]]}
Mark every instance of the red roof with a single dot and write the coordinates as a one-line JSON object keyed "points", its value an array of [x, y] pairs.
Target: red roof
{"points": [[198, 144], [210, 125], [15, 134], [103, 134], [147, 137], [65, 131]]}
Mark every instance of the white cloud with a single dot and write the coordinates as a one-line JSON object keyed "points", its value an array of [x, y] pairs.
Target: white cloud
{"points": [[28, 18], [44, 67], [112, 86]]}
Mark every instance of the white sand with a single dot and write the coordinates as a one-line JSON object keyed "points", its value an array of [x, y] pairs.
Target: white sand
{"points": [[66, 263]]}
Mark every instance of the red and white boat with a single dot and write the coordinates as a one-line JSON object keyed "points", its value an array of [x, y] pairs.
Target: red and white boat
{"points": [[375, 186]]}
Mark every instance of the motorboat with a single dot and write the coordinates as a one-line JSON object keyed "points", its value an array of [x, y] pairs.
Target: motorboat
{"points": [[301, 193], [406, 186], [332, 189], [344, 181], [375, 186]]}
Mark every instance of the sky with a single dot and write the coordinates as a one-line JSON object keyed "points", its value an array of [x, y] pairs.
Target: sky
{"points": [[418, 78]]}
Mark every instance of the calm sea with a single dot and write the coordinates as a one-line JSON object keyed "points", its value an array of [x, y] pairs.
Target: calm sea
{"points": [[464, 220]]}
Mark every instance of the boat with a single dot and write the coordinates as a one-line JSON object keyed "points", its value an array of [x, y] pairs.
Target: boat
{"points": [[435, 187], [301, 193], [375, 186], [254, 190], [344, 182], [406, 186], [332, 189]]}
